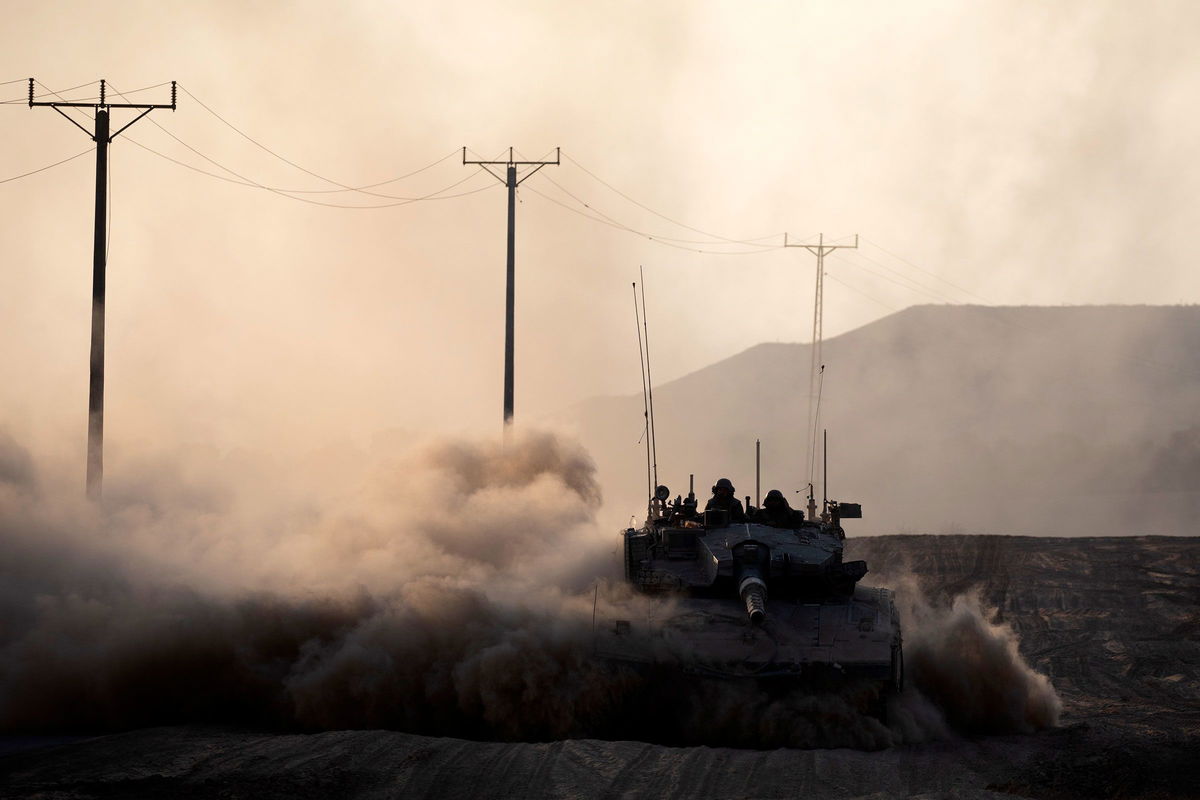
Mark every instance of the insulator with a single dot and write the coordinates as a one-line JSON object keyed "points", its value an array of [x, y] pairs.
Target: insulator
{"points": [[102, 91], [31, 92], [172, 95]]}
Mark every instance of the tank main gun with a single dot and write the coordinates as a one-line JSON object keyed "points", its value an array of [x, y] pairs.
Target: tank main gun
{"points": [[750, 558]]}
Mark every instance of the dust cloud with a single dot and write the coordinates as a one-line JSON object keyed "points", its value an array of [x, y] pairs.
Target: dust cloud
{"points": [[970, 668], [446, 590]]}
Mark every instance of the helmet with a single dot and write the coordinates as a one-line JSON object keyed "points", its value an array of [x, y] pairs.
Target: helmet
{"points": [[774, 494], [724, 483]]}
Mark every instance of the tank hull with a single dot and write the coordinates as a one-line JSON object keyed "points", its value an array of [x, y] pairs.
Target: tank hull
{"points": [[815, 643]]}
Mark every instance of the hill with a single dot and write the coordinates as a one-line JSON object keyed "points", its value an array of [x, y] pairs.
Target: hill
{"points": [[1063, 420]]}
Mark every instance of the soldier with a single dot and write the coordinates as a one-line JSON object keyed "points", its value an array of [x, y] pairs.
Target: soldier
{"points": [[777, 513], [723, 498]]}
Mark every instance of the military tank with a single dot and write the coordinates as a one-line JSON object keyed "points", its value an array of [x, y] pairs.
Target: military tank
{"points": [[774, 603]]}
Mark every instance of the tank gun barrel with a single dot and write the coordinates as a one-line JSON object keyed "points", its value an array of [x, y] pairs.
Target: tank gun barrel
{"points": [[753, 592]]}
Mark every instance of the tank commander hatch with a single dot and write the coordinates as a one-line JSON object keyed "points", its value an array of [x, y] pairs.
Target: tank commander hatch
{"points": [[777, 513], [723, 498]]}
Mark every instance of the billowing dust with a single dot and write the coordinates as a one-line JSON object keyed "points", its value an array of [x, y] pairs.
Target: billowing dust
{"points": [[448, 591]]}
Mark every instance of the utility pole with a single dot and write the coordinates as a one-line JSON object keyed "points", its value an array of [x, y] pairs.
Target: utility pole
{"points": [[511, 181], [820, 250], [102, 138]]}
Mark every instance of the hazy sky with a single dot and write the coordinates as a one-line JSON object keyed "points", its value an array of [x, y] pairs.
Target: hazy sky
{"points": [[1025, 152]]}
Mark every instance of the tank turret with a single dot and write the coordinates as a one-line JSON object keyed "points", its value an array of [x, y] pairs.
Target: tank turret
{"points": [[778, 577]]}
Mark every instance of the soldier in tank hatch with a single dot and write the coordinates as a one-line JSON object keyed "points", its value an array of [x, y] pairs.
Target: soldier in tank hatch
{"points": [[777, 513], [724, 499]]}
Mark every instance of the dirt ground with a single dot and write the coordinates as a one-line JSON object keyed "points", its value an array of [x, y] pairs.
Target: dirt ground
{"points": [[1114, 623]]}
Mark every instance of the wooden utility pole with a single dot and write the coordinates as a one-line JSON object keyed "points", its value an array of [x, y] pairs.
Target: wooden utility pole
{"points": [[102, 138], [512, 182]]}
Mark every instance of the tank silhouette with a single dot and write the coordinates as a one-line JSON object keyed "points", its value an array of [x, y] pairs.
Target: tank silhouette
{"points": [[750, 600]]}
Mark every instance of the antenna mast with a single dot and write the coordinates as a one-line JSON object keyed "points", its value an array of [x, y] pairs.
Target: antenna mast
{"points": [[645, 405], [758, 473], [820, 250], [825, 475], [649, 379]]}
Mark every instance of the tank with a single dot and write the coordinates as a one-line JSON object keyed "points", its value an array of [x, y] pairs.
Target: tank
{"points": [[750, 600]]}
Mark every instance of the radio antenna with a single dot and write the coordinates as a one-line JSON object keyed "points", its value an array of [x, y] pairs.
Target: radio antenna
{"points": [[816, 424], [758, 472], [649, 379], [645, 402], [825, 473]]}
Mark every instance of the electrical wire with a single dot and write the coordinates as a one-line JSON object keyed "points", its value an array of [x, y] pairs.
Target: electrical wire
{"points": [[48, 166], [673, 221], [604, 220], [257, 143], [643, 234], [50, 91], [657, 237], [341, 186], [599, 216], [360, 189], [147, 88], [921, 269], [858, 291], [919, 286], [71, 89], [602, 216], [240, 180], [23, 99], [915, 288]]}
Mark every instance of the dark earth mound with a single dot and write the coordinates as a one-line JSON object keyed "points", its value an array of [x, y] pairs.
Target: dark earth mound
{"points": [[1114, 623]]}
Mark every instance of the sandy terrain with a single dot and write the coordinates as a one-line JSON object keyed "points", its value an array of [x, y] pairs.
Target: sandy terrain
{"points": [[1114, 623]]}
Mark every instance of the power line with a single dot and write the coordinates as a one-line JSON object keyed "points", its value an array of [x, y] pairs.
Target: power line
{"points": [[910, 285], [599, 216], [148, 88], [24, 99], [341, 186], [922, 287], [673, 221], [360, 189], [858, 291], [59, 94], [289, 193], [440, 194], [614, 221], [921, 269], [48, 166], [260, 145], [257, 185], [660, 240], [69, 107]]}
